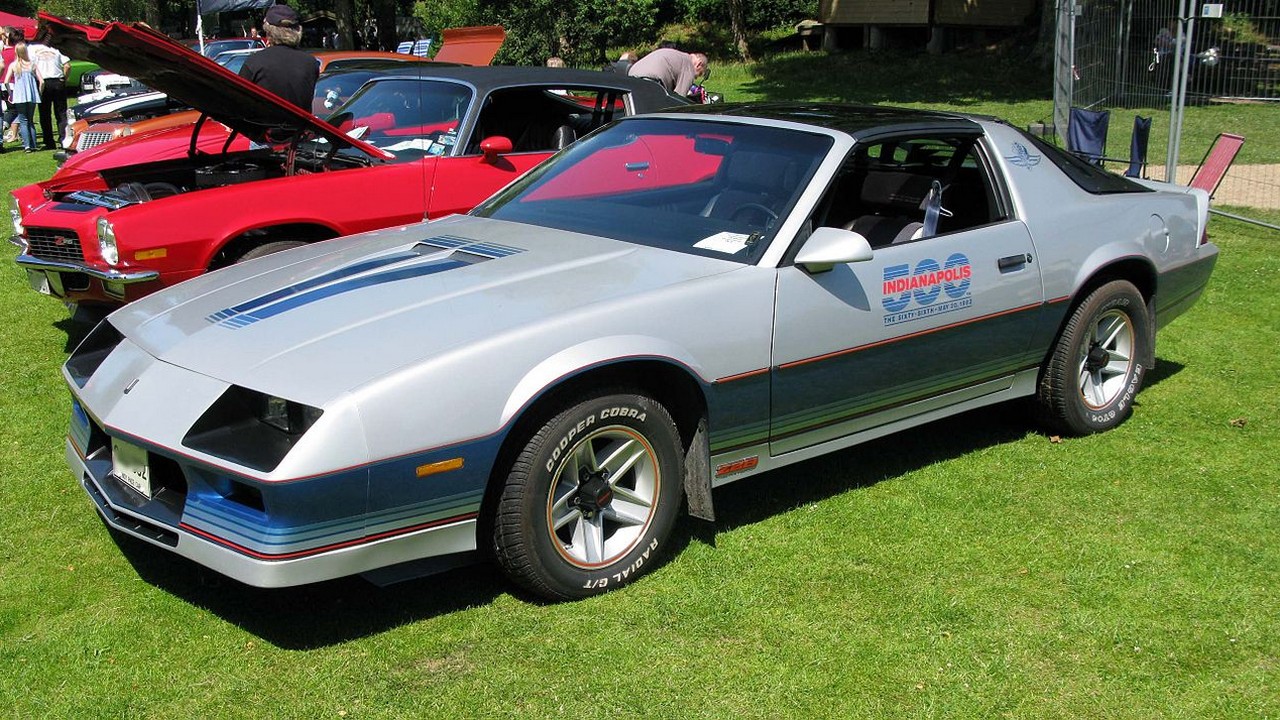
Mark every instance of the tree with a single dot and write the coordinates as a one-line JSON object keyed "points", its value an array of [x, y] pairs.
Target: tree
{"points": [[738, 24]]}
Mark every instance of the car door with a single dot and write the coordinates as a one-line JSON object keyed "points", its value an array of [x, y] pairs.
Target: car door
{"points": [[537, 120], [938, 316]]}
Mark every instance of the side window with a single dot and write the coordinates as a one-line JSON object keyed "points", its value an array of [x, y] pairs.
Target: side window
{"points": [[903, 189], [545, 118]]}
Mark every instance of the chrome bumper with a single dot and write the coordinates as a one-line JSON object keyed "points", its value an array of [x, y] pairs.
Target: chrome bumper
{"points": [[31, 262]]}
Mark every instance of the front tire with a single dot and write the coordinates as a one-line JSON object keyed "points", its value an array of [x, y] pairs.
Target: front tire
{"points": [[1096, 368], [270, 249], [590, 501]]}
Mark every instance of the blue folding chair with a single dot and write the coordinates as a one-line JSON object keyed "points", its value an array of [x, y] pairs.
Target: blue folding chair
{"points": [[1087, 134], [1138, 146]]}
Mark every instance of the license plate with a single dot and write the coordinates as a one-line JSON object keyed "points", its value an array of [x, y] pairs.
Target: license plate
{"points": [[129, 464], [39, 282]]}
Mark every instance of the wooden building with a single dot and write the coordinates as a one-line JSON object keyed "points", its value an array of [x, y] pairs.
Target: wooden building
{"points": [[908, 18]]}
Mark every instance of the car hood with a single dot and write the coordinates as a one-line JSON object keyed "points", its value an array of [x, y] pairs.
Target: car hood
{"points": [[136, 50], [470, 45], [315, 322], [173, 143]]}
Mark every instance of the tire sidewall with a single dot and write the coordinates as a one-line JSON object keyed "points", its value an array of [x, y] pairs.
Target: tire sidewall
{"points": [[633, 412], [1120, 296]]}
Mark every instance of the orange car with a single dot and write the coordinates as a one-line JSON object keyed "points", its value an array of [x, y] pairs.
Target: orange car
{"points": [[463, 46]]}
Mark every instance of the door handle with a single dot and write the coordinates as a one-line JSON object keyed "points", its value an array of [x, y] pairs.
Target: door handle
{"points": [[1013, 262]]}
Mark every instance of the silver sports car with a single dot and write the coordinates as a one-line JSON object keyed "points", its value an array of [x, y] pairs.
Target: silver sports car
{"points": [[675, 302]]}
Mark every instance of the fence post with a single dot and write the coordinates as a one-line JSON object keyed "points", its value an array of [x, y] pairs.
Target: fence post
{"points": [[1063, 64]]}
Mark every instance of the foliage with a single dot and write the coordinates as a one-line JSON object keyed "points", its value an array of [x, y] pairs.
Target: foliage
{"points": [[576, 30], [98, 9], [760, 14], [436, 15], [1240, 28]]}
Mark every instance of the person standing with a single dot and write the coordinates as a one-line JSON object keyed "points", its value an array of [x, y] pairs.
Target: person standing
{"points": [[674, 69], [24, 94], [52, 67], [9, 37], [281, 67]]}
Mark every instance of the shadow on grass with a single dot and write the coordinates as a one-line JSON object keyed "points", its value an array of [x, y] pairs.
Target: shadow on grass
{"points": [[317, 615], [898, 78], [78, 324], [328, 613], [762, 496]]}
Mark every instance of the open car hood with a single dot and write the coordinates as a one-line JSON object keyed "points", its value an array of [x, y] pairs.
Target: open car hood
{"points": [[136, 50], [471, 45]]}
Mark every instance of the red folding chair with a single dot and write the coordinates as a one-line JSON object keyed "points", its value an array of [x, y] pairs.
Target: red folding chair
{"points": [[1216, 162]]}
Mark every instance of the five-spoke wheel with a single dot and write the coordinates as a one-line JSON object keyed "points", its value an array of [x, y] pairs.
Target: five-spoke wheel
{"points": [[589, 502], [1089, 381]]}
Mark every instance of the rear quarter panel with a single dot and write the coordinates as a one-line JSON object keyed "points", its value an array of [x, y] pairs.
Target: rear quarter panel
{"points": [[1077, 234]]}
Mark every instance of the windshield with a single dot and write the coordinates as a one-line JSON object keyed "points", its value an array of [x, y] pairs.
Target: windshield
{"points": [[694, 186], [408, 118]]}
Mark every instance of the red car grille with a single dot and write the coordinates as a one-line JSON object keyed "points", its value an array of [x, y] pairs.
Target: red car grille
{"points": [[54, 244], [91, 139]]}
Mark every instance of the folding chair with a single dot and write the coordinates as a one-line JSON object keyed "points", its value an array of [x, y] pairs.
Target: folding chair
{"points": [[1216, 162], [1138, 147], [1087, 134]]}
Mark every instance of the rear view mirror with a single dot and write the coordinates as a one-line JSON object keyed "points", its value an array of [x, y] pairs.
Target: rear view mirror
{"points": [[711, 146]]}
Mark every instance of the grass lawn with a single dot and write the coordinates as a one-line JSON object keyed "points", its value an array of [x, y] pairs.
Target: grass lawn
{"points": [[972, 568]]}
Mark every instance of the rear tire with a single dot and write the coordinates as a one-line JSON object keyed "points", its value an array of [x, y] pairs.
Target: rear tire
{"points": [[590, 501], [1089, 381]]}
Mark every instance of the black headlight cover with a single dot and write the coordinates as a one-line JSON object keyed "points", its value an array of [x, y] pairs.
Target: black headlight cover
{"points": [[92, 351], [251, 428]]}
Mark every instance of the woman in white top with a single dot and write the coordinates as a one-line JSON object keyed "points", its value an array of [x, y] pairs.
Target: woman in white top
{"points": [[24, 94]]}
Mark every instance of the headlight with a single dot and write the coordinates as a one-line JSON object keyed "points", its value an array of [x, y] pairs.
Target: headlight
{"points": [[251, 428], [107, 242], [15, 214], [285, 415]]}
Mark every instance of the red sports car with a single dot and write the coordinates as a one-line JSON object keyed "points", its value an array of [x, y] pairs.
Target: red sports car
{"points": [[427, 142]]}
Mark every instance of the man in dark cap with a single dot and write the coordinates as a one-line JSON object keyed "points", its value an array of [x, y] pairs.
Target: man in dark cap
{"points": [[281, 67]]}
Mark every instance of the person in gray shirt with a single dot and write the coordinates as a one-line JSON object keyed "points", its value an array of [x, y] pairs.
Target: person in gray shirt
{"points": [[675, 69]]}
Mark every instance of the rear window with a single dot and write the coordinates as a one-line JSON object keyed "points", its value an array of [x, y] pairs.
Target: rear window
{"points": [[1089, 177]]}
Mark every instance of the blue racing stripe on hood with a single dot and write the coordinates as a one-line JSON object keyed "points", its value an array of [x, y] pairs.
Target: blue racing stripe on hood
{"points": [[279, 302], [462, 252]]}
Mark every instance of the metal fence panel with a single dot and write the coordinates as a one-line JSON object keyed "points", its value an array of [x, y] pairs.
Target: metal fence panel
{"points": [[1122, 55]]}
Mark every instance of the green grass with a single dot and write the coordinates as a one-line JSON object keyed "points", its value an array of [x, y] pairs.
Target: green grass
{"points": [[972, 568]]}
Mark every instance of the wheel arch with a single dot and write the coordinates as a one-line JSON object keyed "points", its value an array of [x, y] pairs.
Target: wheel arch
{"points": [[671, 383], [247, 239], [1137, 270]]}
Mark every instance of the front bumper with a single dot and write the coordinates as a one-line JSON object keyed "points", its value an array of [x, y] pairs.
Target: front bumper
{"points": [[153, 521], [78, 282], [126, 277]]}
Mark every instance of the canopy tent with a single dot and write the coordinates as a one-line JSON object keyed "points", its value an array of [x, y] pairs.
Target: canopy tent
{"points": [[205, 7]]}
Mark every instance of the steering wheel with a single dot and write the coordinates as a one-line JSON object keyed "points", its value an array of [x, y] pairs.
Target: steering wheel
{"points": [[751, 207]]}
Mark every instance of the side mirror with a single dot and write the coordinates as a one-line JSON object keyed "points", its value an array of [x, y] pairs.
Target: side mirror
{"points": [[493, 147], [828, 247]]}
